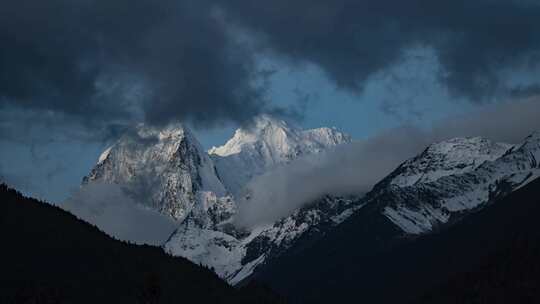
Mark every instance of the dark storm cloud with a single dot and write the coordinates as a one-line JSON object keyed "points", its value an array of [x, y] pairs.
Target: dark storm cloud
{"points": [[107, 61], [475, 41]]}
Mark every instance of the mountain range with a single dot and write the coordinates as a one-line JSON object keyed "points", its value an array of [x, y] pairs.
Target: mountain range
{"points": [[168, 171]]}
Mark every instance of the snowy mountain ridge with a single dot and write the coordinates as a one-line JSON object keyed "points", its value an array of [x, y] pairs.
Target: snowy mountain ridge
{"points": [[453, 156], [420, 207]]}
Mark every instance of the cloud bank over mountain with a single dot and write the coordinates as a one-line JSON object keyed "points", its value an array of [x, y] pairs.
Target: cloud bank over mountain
{"points": [[353, 169]]}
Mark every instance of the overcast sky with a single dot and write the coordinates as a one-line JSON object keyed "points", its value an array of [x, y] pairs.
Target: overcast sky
{"points": [[75, 74]]}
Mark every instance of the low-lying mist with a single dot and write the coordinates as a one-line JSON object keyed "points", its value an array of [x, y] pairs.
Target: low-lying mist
{"points": [[113, 211]]}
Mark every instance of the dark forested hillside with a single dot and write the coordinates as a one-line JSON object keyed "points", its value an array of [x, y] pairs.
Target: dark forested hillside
{"points": [[49, 256], [511, 275], [488, 257]]}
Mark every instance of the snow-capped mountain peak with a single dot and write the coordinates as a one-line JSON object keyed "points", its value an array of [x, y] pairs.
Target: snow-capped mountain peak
{"points": [[272, 131], [279, 137], [166, 169], [267, 143]]}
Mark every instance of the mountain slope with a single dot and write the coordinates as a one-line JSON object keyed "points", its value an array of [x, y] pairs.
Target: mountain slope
{"points": [[511, 275], [49, 256], [236, 254], [368, 259], [444, 194]]}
